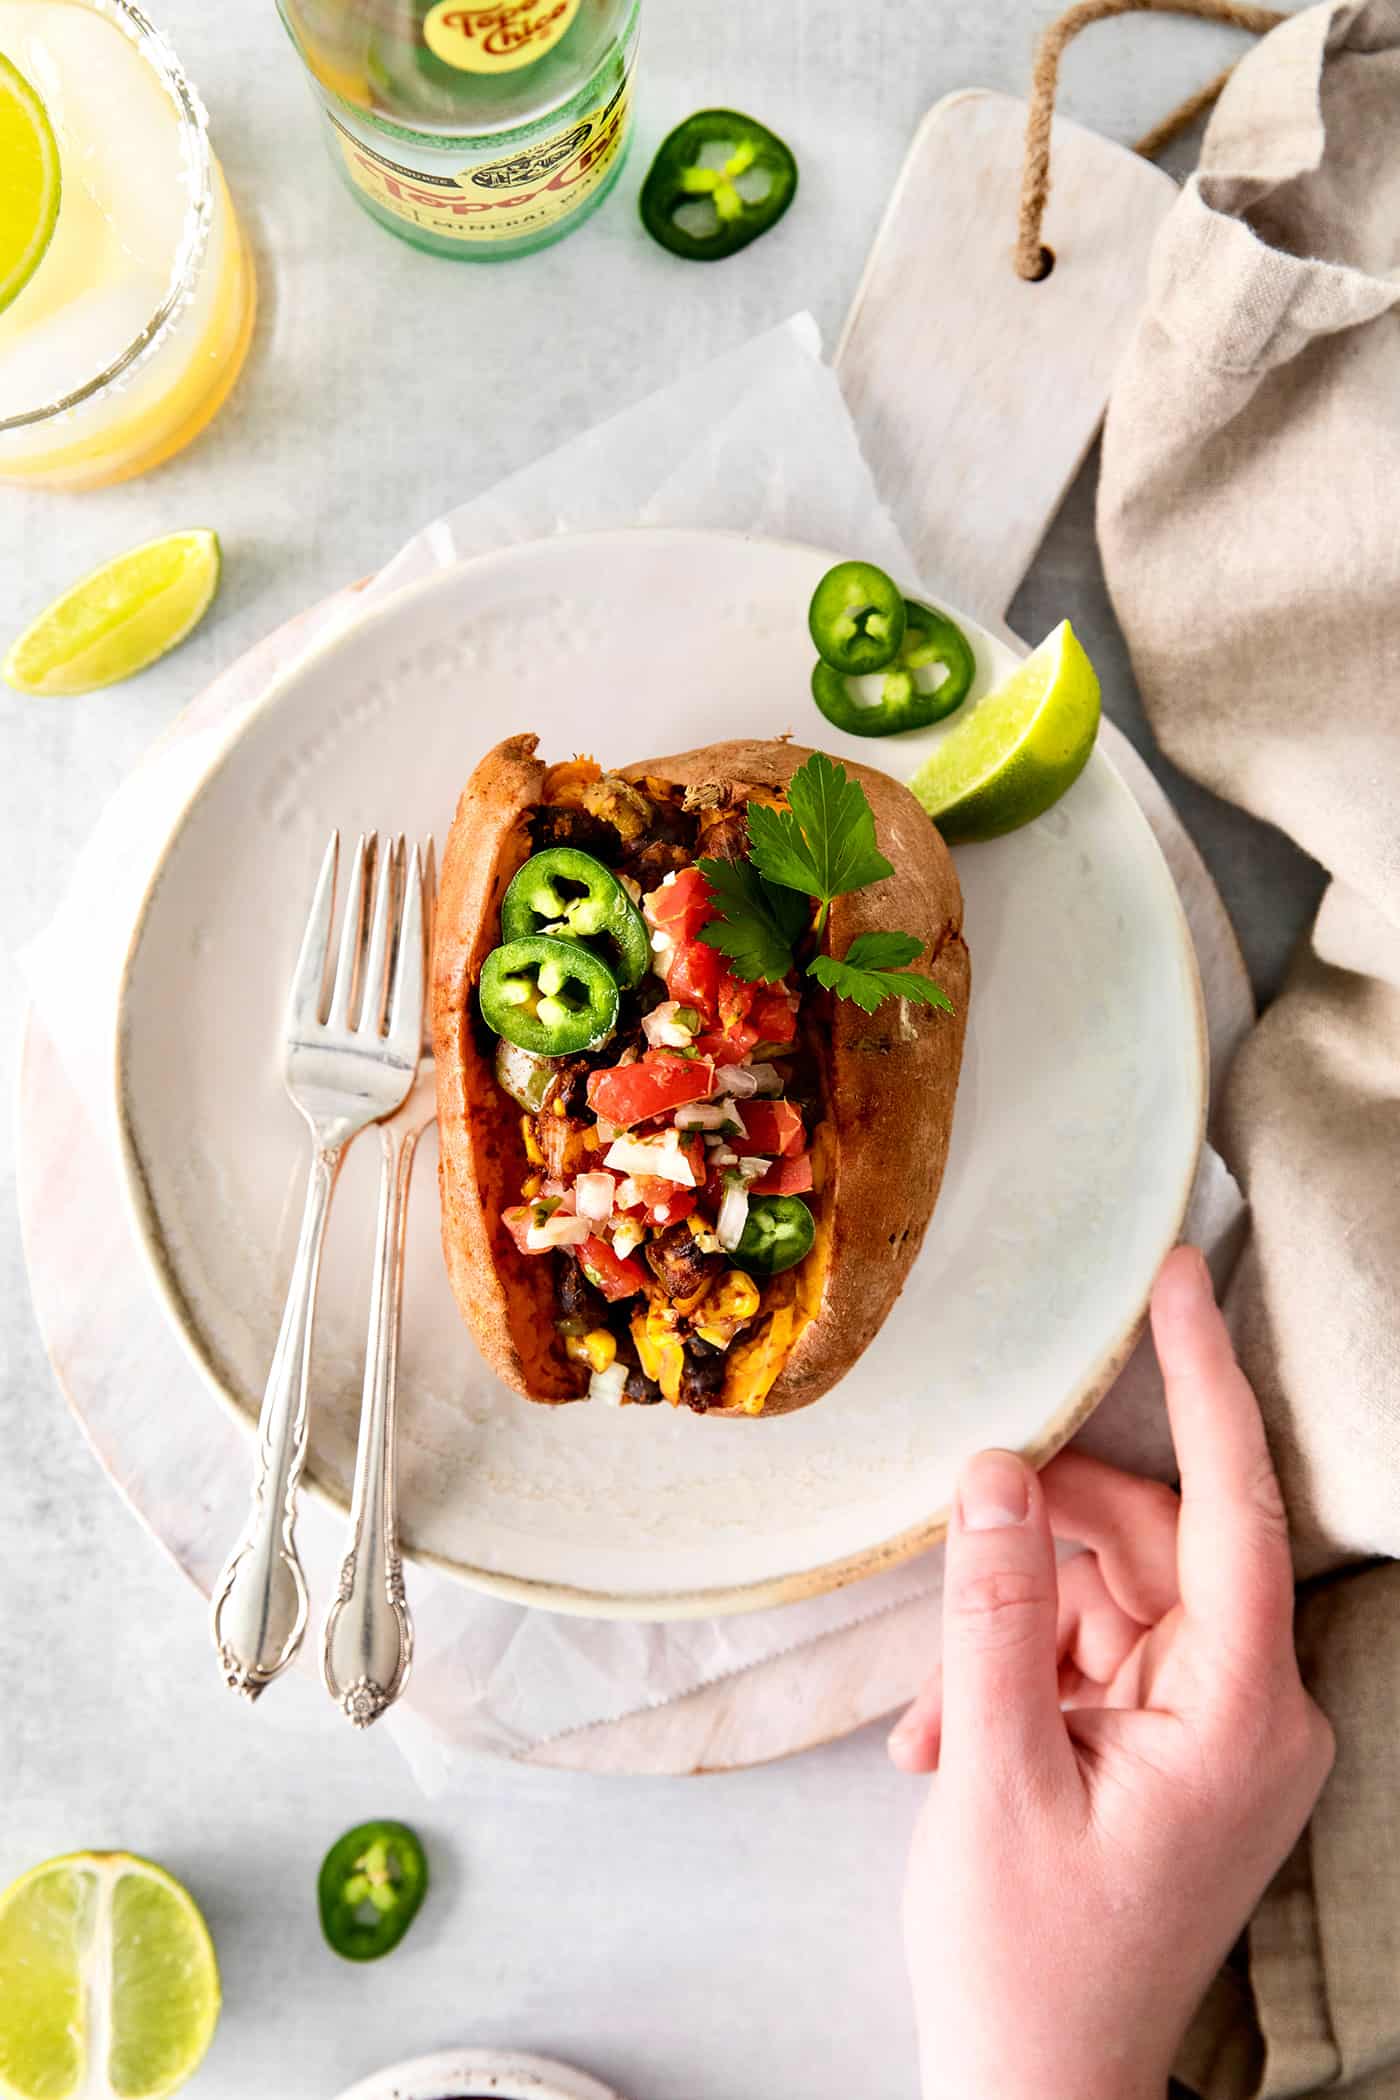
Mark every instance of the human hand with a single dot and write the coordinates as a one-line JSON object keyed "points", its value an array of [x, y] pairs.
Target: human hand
{"points": [[1122, 1759]]}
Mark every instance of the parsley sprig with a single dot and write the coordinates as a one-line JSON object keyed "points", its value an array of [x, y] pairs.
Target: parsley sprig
{"points": [[821, 846]]}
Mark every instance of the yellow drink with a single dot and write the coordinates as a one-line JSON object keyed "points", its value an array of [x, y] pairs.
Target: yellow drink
{"points": [[131, 332]]}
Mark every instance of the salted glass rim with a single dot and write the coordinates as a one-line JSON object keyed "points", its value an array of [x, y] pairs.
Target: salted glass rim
{"points": [[190, 116]]}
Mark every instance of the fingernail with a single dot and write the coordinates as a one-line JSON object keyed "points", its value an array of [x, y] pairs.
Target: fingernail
{"points": [[994, 1492], [900, 1734]]}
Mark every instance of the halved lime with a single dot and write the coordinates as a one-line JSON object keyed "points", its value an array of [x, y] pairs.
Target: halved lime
{"points": [[119, 619], [1019, 749], [30, 182], [102, 1947]]}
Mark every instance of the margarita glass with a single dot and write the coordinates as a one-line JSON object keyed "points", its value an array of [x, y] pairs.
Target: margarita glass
{"points": [[130, 333]]}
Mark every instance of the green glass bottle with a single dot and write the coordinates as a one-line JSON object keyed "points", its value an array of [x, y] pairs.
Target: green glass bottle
{"points": [[474, 132]]}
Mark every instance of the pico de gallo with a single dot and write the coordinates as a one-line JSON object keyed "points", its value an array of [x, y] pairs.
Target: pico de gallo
{"points": [[669, 1111]]}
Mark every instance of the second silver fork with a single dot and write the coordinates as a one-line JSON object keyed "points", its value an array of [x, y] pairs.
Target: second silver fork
{"points": [[367, 1645]]}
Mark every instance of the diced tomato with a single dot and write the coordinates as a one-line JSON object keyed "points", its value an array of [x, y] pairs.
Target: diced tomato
{"points": [[664, 1202], [728, 1049], [735, 999], [772, 1126], [682, 907], [615, 1279], [628, 1094], [693, 977], [786, 1177], [517, 1221], [772, 1016]]}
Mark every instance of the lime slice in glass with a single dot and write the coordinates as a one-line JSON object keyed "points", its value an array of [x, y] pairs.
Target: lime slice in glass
{"points": [[1018, 750], [101, 1949], [120, 618], [30, 182]]}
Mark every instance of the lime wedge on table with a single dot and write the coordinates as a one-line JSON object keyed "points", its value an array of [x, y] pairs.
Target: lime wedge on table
{"points": [[30, 182], [102, 1948], [1018, 749], [120, 618]]}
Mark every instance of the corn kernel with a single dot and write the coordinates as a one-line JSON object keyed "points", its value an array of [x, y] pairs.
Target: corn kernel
{"points": [[559, 1109], [736, 1298], [597, 1349], [532, 1145], [601, 1347], [530, 1187]]}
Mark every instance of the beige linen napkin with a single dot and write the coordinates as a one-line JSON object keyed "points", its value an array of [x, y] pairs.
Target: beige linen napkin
{"points": [[1249, 515]]}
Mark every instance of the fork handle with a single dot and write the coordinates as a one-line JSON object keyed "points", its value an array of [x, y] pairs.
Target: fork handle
{"points": [[260, 1602], [367, 1648]]}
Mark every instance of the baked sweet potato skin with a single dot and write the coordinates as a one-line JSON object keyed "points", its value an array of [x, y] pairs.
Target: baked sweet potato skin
{"points": [[887, 1073], [890, 1074], [506, 1298]]}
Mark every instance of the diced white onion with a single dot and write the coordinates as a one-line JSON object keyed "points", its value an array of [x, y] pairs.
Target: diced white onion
{"points": [[753, 1169], [608, 1131], [628, 1237], [660, 1156], [661, 942], [562, 1230], [770, 1079], [663, 1030], [708, 1115], [738, 1080], [609, 1385], [593, 1194], [724, 1156], [733, 1217]]}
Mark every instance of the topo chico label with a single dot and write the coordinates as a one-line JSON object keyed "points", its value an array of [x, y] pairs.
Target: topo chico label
{"points": [[497, 200], [496, 39]]}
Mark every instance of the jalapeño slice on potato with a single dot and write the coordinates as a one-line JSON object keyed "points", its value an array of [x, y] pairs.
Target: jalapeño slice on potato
{"points": [[570, 895], [777, 1235], [550, 997], [910, 693]]}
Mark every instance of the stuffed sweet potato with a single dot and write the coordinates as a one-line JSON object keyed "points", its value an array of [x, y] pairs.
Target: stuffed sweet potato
{"points": [[694, 1101]]}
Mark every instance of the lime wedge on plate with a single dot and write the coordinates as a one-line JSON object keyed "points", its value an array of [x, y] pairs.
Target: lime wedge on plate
{"points": [[30, 182], [120, 618], [101, 1947], [1018, 750]]}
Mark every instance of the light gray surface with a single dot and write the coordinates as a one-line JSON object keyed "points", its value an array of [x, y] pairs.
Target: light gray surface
{"points": [[707, 1941]]}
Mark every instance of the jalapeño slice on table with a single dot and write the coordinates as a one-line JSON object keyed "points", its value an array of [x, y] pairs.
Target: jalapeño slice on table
{"points": [[569, 894], [551, 997], [718, 181], [371, 1884], [778, 1233], [910, 694], [856, 618]]}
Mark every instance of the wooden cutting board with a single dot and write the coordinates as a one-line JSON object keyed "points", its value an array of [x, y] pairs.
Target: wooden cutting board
{"points": [[977, 396]]}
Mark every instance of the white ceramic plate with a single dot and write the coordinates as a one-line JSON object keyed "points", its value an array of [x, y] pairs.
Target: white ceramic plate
{"points": [[1078, 1122]]}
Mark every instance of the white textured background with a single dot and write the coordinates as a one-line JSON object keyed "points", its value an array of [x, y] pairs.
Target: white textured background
{"points": [[719, 1939]]}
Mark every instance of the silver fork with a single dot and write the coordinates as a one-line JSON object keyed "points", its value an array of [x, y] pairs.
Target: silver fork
{"points": [[367, 1646], [348, 1062]]}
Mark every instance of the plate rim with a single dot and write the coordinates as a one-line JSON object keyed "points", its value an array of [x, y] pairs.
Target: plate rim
{"points": [[566, 1599]]}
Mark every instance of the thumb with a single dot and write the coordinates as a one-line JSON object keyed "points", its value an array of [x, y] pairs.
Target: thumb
{"points": [[1001, 1696]]}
